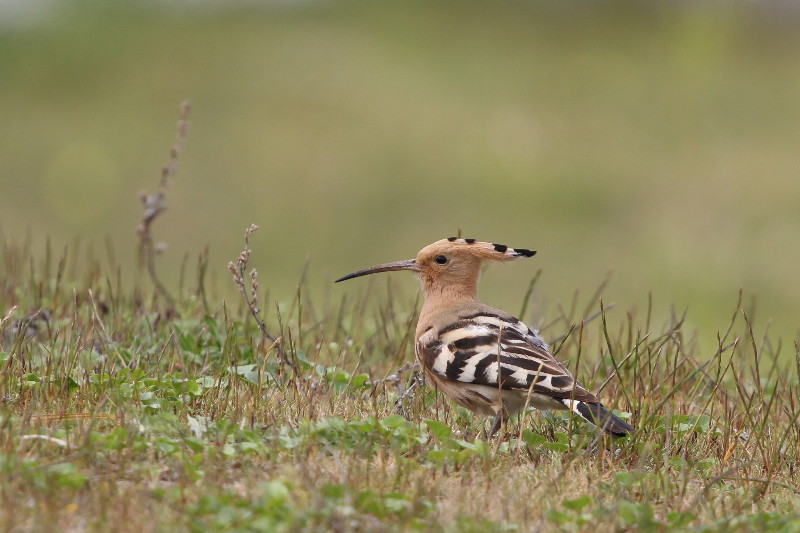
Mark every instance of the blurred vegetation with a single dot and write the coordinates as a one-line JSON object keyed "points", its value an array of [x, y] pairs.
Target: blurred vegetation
{"points": [[656, 142]]}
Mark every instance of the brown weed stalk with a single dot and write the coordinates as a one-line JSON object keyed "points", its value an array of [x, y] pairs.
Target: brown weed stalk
{"points": [[154, 205], [250, 296]]}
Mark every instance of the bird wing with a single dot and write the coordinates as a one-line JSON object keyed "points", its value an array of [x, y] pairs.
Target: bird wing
{"points": [[488, 347]]}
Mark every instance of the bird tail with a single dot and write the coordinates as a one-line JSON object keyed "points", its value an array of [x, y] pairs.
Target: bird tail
{"points": [[601, 417]]}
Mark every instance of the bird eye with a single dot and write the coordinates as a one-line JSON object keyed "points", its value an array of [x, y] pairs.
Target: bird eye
{"points": [[440, 259]]}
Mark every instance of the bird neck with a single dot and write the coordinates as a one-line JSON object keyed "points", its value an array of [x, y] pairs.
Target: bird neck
{"points": [[439, 298]]}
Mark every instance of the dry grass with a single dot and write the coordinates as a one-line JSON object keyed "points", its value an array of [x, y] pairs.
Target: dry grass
{"points": [[131, 407], [117, 416]]}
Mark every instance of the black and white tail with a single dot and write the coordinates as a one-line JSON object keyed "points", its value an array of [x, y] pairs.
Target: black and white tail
{"points": [[601, 417]]}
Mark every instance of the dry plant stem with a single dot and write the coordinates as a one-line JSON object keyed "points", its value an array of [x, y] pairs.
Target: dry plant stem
{"points": [[8, 315], [527, 297], [106, 337], [154, 205], [416, 381], [250, 296], [202, 271], [395, 376], [586, 320], [698, 461]]}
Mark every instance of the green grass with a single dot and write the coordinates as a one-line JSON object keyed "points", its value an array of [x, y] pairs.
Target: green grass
{"points": [[119, 414]]}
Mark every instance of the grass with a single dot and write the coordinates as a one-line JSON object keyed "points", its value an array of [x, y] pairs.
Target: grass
{"points": [[155, 402], [120, 415]]}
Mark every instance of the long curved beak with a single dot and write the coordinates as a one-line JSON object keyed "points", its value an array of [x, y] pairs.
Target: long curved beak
{"points": [[408, 264]]}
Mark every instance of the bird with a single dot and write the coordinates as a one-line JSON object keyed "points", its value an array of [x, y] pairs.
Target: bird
{"points": [[481, 357]]}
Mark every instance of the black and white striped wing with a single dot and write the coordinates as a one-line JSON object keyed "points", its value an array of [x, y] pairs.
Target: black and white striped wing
{"points": [[484, 348]]}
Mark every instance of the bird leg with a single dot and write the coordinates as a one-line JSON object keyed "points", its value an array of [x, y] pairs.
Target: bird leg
{"points": [[499, 418]]}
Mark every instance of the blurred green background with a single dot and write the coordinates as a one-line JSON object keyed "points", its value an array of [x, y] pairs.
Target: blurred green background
{"points": [[656, 141]]}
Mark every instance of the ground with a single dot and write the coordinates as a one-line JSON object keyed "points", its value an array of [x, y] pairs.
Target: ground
{"points": [[121, 413]]}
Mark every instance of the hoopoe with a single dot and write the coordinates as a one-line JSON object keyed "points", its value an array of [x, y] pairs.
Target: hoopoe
{"points": [[483, 358]]}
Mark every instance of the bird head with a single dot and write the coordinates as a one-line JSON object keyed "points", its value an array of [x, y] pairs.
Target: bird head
{"points": [[451, 263]]}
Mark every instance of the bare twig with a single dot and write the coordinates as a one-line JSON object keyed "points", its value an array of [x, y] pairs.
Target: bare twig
{"points": [[154, 205], [8, 315], [237, 269], [395, 377], [31, 324], [416, 381]]}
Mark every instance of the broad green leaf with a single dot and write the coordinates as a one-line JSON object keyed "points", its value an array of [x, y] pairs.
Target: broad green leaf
{"points": [[359, 380], [628, 479], [558, 517], [532, 439], [441, 432], [556, 446], [576, 504], [393, 421]]}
